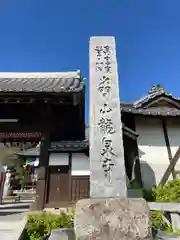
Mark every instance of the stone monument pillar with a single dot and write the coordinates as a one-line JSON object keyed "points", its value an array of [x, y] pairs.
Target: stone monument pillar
{"points": [[108, 175], [108, 214]]}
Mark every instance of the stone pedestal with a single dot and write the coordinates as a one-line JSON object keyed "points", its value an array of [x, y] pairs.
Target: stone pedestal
{"points": [[112, 218]]}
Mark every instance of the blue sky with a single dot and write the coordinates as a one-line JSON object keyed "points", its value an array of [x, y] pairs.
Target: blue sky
{"points": [[53, 35]]}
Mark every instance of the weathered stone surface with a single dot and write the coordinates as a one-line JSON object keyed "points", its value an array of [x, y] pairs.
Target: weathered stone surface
{"points": [[12, 229], [108, 175], [113, 218]]}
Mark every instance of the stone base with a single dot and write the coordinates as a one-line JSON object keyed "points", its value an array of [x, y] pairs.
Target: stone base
{"points": [[112, 218]]}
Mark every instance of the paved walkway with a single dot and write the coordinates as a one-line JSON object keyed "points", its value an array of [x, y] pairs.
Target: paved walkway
{"points": [[12, 219]]}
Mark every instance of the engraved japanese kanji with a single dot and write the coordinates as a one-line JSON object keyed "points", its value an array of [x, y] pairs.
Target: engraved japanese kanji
{"points": [[99, 51], [103, 54], [106, 151], [107, 154], [105, 123], [104, 86], [105, 109]]}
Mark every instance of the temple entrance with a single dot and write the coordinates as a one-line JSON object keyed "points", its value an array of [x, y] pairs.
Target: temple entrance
{"points": [[39, 108], [20, 176], [58, 184]]}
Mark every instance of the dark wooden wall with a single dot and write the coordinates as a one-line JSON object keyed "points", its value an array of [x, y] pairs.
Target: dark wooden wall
{"points": [[63, 121], [80, 187]]}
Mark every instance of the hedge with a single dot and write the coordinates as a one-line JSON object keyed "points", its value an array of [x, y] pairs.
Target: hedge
{"points": [[39, 225]]}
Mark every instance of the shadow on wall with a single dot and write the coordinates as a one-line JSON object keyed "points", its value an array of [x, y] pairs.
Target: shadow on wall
{"points": [[148, 176]]}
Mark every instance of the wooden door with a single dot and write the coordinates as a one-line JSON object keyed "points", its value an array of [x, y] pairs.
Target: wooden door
{"points": [[79, 187], [58, 184]]}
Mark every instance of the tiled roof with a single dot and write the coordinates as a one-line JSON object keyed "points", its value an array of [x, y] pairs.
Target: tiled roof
{"points": [[41, 82], [149, 97], [32, 152], [138, 107], [60, 146], [129, 108]]}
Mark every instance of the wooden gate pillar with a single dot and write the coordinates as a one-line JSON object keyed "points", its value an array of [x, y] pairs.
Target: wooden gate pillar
{"points": [[41, 188]]}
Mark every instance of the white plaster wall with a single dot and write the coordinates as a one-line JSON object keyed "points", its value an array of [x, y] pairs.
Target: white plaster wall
{"points": [[80, 165], [152, 147], [57, 159]]}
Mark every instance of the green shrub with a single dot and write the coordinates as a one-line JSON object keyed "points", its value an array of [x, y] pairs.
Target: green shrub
{"points": [[40, 225], [170, 192], [157, 220]]}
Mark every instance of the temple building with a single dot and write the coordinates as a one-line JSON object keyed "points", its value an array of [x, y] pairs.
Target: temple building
{"points": [[73, 155], [39, 107], [47, 111], [151, 137], [156, 119]]}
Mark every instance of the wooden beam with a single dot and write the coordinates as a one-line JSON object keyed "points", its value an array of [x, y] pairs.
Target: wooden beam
{"points": [[20, 127], [138, 174], [164, 126], [16, 100], [70, 177], [130, 135], [43, 179], [43, 172], [170, 168], [76, 99]]}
